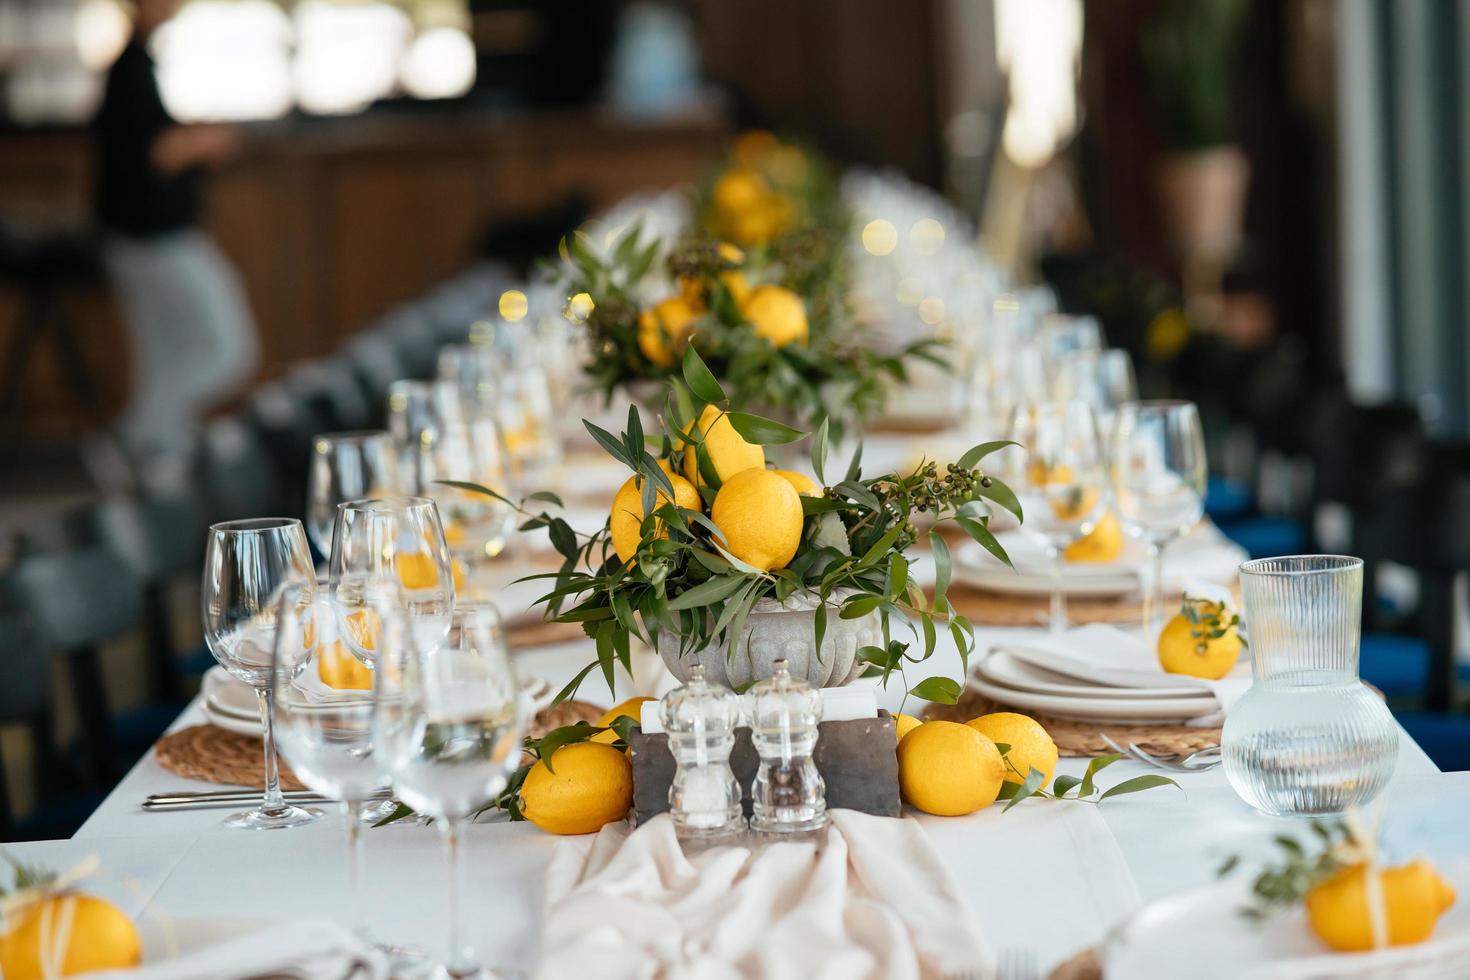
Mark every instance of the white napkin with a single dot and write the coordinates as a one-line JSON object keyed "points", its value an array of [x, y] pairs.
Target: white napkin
{"points": [[873, 900], [311, 949], [1104, 654]]}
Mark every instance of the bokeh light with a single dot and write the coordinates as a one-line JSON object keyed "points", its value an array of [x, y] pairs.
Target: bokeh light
{"points": [[931, 310], [440, 64], [880, 237], [225, 60], [102, 29], [347, 55], [579, 307], [927, 236], [513, 305], [908, 291]]}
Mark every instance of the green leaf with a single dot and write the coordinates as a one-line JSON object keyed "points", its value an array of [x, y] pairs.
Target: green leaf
{"points": [[819, 452], [606, 653], [563, 538], [856, 491], [701, 382], [976, 453], [942, 564], [981, 534], [1033, 782], [1094, 767], [881, 546], [898, 576], [561, 737], [1137, 784], [1063, 785], [706, 593], [574, 683], [941, 690], [477, 488], [820, 505], [819, 624], [855, 465], [400, 810], [1003, 495], [859, 606], [543, 495], [610, 443], [762, 431]]}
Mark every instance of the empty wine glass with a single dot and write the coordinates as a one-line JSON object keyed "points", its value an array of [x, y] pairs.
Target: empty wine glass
{"points": [[1103, 379], [476, 525], [417, 407], [1057, 474], [528, 423], [448, 727], [1062, 334], [346, 466], [396, 541], [247, 566], [1158, 473]]}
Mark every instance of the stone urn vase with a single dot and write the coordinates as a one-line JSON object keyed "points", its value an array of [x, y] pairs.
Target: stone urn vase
{"points": [[776, 630]]}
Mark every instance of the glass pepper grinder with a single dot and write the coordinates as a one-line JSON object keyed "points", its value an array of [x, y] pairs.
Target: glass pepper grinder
{"points": [[789, 794], [700, 720]]}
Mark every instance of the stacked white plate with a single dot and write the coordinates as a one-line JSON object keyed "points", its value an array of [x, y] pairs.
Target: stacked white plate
{"points": [[230, 703], [1203, 555], [1035, 680]]}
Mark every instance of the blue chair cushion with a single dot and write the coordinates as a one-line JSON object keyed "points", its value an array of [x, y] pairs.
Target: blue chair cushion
{"points": [[1445, 738], [1227, 499], [1267, 537], [1396, 665]]}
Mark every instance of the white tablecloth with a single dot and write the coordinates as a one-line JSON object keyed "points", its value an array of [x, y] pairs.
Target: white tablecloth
{"points": [[1053, 877]]}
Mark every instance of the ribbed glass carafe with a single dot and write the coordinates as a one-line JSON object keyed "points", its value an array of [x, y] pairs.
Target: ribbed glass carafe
{"points": [[1308, 738]]}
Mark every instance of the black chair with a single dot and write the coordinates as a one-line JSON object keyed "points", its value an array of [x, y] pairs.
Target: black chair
{"points": [[25, 698], [238, 478], [373, 360], [286, 424], [415, 340], [79, 600], [330, 392]]}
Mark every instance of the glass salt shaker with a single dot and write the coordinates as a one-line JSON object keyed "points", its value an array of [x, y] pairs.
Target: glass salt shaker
{"points": [[789, 794], [700, 720]]}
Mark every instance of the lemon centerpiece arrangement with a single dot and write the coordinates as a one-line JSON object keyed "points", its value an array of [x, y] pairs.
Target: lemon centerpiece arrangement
{"points": [[1202, 640], [51, 927], [757, 287]]}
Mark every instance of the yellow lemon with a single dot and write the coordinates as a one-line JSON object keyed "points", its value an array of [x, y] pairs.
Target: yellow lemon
{"points": [[416, 570], [1031, 747], [1105, 543], [777, 314], [760, 515], [662, 329], [338, 668], [453, 534], [101, 937], [730, 253], [626, 517], [738, 285], [631, 708], [903, 724], [1414, 897], [738, 191], [804, 484], [949, 769], [592, 785], [754, 147], [1187, 648], [727, 450], [1040, 473]]}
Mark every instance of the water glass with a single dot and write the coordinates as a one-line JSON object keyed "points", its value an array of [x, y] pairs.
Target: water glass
{"points": [[476, 525], [1308, 739], [248, 566], [393, 542], [346, 466], [447, 730], [1103, 379], [1057, 474], [419, 407], [1158, 470]]}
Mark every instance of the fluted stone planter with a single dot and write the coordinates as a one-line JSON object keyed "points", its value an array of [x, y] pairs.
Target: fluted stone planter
{"points": [[774, 630]]}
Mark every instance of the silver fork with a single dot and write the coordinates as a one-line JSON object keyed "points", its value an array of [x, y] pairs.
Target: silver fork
{"points": [[1017, 963], [1202, 761]]}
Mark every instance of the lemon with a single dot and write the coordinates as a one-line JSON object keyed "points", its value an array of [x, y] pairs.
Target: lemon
{"points": [[949, 769], [726, 449], [738, 285], [903, 724], [1187, 648], [1105, 543], [804, 484], [1414, 897], [626, 517], [666, 326], [338, 668], [416, 570], [1031, 746], [754, 147], [759, 514], [777, 314], [592, 786], [739, 191], [631, 708], [100, 937]]}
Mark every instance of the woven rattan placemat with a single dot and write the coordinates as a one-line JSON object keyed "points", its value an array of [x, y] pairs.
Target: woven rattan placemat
{"points": [[1084, 738], [214, 755], [1084, 966]]}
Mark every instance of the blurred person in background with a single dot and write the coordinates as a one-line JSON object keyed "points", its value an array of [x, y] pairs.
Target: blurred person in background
{"points": [[193, 338]]}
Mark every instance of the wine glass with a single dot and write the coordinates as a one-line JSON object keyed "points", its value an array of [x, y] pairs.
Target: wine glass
{"points": [[529, 425], [346, 466], [1103, 379], [247, 566], [417, 407], [1062, 334], [476, 526], [447, 732], [397, 541], [1158, 472], [1057, 475]]}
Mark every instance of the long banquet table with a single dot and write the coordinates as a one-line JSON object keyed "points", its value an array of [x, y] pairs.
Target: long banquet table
{"points": [[1050, 876]]}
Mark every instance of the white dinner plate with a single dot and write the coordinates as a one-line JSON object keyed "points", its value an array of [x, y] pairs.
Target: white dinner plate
{"points": [[1198, 934], [231, 722], [1005, 669], [975, 566], [1119, 710]]}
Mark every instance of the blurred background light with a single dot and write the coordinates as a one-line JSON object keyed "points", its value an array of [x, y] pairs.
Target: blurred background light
{"points": [[347, 54], [225, 60], [880, 237], [102, 29], [439, 64], [1039, 46], [927, 236], [513, 305]]}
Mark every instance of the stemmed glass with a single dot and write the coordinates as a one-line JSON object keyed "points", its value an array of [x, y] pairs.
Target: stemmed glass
{"points": [[417, 407], [1058, 477], [1062, 334], [476, 526], [1103, 379], [448, 728], [346, 466], [247, 566], [396, 541], [1158, 471]]}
